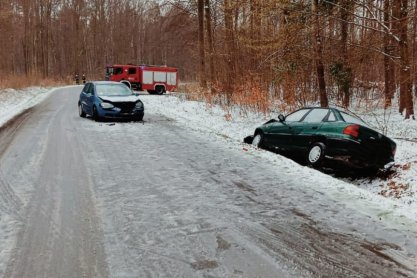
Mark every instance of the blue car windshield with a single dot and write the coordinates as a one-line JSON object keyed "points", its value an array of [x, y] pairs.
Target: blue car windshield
{"points": [[113, 90]]}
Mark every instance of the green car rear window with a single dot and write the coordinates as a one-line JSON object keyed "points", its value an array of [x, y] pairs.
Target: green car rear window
{"points": [[352, 119]]}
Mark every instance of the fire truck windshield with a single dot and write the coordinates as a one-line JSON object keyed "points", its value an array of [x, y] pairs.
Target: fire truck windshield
{"points": [[112, 70], [117, 70]]}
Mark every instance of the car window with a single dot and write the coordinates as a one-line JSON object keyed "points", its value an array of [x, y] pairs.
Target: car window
{"points": [[316, 115], [86, 87], [91, 89], [296, 116], [132, 71], [113, 90], [332, 117], [352, 119], [117, 70]]}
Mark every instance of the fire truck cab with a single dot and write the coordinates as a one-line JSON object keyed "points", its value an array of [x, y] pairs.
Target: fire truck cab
{"points": [[154, 79]]}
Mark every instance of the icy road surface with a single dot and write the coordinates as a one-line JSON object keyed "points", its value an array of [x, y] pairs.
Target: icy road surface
{"points": [[155, 199]]}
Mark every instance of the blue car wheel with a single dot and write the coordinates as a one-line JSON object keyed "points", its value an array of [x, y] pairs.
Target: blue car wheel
{"points": [[81, 110], [96, 117]]}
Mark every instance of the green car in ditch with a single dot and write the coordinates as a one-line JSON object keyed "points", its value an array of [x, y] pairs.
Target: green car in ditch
{"points": [[325, 134]]}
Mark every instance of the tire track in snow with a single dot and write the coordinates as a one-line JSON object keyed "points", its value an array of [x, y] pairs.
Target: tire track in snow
{"points": [[59, 235], [10, 203]]}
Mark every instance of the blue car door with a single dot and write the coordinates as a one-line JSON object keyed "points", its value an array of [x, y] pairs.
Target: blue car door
{"points": [[83, 98], [89, 99]]}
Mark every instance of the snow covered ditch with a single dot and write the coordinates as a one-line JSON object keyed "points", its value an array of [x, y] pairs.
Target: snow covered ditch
{"points": [[397, 187]]}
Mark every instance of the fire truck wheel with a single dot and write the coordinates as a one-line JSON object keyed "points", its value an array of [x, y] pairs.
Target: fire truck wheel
{"points": [[159, 90]]}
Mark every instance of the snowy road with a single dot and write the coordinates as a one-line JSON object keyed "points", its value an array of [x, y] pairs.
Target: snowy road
{"points": [[158, 200]]}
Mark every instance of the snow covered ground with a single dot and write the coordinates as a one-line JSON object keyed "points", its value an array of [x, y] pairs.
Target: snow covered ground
{"points": [[233, 125], [122, 199], [12, 103], [400, 184], [392, 197]]}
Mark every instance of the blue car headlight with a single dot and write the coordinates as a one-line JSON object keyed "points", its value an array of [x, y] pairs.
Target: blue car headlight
{"points": [[139, 105], [106, 105]]}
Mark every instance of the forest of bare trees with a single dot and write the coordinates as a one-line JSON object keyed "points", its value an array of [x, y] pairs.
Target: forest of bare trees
{"points": [[324, 51]]}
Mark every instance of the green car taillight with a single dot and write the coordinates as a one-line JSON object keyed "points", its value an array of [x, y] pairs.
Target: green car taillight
{"points": [[352, 130]]}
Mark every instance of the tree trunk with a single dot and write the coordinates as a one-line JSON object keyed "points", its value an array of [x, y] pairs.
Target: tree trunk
{"points": [[26, 37], [318, 55], [414, 36], [210, 42], [346, 7], [406, 97], [389, 67], [203, 81], [228, 21]]}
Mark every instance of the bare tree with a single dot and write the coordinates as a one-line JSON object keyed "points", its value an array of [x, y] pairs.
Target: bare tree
{"points": [[400, 14], [297, 51], [389, 66], [318, 54], [210, 41], [346, 8], [201, 43], [229, 40]]}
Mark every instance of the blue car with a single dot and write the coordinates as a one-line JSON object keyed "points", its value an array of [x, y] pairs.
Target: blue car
{"points": [[109, 100]]}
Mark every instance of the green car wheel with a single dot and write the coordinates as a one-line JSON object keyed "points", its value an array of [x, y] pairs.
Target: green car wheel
{"points": [[257, 140], [316, 154]]}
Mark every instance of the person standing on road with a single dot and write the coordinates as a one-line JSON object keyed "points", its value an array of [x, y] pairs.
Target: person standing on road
{"points": [[83, 78]]}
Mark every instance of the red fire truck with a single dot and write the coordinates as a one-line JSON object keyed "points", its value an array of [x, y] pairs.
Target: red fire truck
{"points": [[154, 79]]}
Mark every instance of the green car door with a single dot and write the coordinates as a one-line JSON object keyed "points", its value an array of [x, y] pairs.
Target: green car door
{"points": [[297, 136], [309, 129], [281, 134]]}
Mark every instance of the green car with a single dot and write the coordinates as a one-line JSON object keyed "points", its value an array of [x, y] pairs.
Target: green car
{"points": [[325, 134]]}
